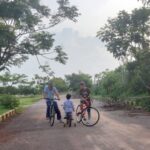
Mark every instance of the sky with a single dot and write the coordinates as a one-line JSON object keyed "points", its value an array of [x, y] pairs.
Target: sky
{"points": [[85, 51]]}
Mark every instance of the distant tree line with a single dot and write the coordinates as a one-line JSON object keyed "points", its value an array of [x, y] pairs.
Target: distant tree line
{"points": [[20, 84]]}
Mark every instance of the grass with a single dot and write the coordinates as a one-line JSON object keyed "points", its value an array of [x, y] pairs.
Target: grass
{"points": [[27, 101], [97, 97], [24, 102], [3, 110]]}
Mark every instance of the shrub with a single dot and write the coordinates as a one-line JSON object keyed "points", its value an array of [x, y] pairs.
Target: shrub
{"points": [[9, 101], [144, 103], [9, 90]]}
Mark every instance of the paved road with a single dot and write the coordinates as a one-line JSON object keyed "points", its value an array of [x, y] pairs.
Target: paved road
{"points": [[116, 131]]}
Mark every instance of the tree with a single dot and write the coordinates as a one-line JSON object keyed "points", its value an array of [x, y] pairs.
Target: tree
{"points": [[75, 79], [41, 79], [145, 2], [9, 79], [60, 84], [127, 34], [139, 72], [28, 90], [23, 32], [110, 84]]}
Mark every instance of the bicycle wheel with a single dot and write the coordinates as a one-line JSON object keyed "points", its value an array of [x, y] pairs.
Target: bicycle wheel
{"points": [[52, 115], [78, 113], [90, 116], [70, 120]]}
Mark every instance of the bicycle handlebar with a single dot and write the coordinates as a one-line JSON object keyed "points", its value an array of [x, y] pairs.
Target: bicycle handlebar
{"points": [[52, 99]]}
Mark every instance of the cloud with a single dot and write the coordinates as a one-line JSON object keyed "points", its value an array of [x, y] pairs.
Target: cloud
{"points": [[86, 54]]}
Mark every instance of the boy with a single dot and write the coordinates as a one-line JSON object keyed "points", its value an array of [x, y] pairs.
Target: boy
{"points": [[68, 106]]}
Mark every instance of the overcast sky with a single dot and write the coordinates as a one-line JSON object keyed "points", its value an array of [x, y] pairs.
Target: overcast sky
{"points": [[86, 53]]}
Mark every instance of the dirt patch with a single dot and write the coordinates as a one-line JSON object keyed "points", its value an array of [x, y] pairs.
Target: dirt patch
{"points": [[6, 136], [7, 121], [131, 112], [134, 114]]}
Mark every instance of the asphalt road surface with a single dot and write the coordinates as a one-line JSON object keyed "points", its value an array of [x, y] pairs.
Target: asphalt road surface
{"points": [[115, 131]]}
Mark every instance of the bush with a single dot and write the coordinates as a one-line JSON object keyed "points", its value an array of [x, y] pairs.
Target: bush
{"points": [[9, 90], [74, 80], [111, 85], [144, 103], [9, 101], [26, 90]]}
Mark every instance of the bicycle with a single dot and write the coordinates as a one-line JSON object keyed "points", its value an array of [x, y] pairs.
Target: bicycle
{"points": [[52, 112], [88, 115], [68, 120]]}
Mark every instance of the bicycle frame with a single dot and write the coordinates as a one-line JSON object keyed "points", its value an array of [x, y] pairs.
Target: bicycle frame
{"points": [[52, 111], [51, 106], [84, 107], [84, 113]]}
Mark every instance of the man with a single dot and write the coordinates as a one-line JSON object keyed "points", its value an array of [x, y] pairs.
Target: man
{"points": [[85, 97], [49, 92], [84, 91]]}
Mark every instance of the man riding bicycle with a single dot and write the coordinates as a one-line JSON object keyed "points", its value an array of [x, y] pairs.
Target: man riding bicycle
{"points": [[85, 96], [85, 93], [49, 92], [85, 113]]}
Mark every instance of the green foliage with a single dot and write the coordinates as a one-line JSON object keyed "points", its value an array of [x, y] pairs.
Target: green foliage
{"points": [[111, 84], [9, 101], [127, 38], [127, 34], [22, 25], [121, 85], [8, 79], [9, 90], [75, 79], [28, 100], [144, 102], [145, 2], [14, 84], [27, 90], [144, 67], [3, 110], [20, 90], [60, 84]]}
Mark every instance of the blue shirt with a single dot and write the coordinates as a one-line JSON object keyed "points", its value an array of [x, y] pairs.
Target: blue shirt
{"points": [[50, 92], [68, 106]]}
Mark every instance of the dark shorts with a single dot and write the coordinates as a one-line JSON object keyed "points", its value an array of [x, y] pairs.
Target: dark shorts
{"points": [[69, 115]]}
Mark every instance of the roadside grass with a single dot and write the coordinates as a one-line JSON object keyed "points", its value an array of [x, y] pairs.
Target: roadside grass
{"points": [[97, 97], [139, 103], [25, 102], [3, 110]]}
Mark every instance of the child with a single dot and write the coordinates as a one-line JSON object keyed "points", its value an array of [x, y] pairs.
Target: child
{"points": [[68, 106]]}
